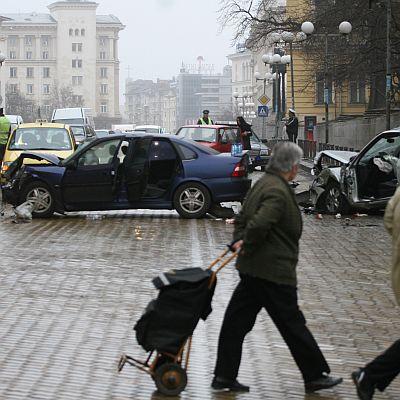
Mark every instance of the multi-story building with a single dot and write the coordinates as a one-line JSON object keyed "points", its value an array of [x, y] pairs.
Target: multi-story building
{"points": [[145, 103], [197, 91], [70, 47]]}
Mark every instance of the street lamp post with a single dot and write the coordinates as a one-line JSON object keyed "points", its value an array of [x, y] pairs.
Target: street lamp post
{"points": [[345, 28], [267, 78]]}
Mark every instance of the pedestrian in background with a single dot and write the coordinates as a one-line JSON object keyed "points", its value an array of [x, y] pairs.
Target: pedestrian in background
{"points": [[292, 126], [244, 132], [267, 233], [205, 119], [379, 373], [5, 129]]}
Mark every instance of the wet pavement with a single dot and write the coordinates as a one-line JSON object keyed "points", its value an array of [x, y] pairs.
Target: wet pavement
{"points": [[71, 289]]}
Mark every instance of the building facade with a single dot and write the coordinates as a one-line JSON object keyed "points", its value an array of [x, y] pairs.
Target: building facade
{"points": [[69, 47]]}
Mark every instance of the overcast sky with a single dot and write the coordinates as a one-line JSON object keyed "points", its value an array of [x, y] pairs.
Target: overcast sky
{"points": [[159, 34]]}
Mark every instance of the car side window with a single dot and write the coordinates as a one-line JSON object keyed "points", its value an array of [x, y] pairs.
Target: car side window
{"points": [[161, 150], [186, 153], [100, 154], [386, 146]]}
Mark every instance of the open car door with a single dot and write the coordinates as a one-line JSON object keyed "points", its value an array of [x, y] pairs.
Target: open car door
{"points": [[136, 168]]}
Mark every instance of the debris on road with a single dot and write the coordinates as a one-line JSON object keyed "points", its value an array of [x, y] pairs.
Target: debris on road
{"points": [[23, 213], [230, 221], [338, 216], [318, 216]]}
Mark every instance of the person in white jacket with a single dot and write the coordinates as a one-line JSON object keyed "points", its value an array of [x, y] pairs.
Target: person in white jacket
{"points": [[379, 373]]}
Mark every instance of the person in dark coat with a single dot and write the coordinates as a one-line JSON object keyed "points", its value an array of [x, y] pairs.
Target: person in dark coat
{"points": [[267, 233], [244, 132], [292, 126]]}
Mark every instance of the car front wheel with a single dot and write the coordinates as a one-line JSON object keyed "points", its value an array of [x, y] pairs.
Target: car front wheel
{"points": [[192, 200], [333, 200], [41, 196]]}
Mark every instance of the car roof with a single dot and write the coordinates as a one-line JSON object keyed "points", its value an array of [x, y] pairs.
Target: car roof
{"points": [[208, 126], [42, 125]]}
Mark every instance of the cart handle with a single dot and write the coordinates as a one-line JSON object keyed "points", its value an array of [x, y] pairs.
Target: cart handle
{"points": [[224, 263]]}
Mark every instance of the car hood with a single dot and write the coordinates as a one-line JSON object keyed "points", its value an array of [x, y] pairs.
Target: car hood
{"points": [[339, 155], [51, 158]]}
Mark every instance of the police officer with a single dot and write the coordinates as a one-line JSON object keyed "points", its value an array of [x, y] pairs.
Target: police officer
{"points": [[205, 120], [5, 129]]}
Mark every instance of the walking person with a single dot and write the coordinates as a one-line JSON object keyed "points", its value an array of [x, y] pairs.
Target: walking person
{"points": [[5, 129], [292, 126], [267, 233], [379, 373], [244, 132], [205, 119]]}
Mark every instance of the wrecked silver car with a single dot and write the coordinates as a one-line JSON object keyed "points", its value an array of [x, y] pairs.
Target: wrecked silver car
{"points": [[365, 180]]}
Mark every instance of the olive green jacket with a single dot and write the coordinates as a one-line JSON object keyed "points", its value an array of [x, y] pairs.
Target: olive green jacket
{"points": [[392, 224], [270, 225]]}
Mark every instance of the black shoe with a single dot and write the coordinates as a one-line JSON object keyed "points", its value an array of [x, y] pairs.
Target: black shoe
{"points": [[324, 382], [221, 384], [365, 389]]}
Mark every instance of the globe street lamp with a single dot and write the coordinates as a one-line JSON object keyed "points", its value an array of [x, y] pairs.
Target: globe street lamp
{"points": [[345, 28]]}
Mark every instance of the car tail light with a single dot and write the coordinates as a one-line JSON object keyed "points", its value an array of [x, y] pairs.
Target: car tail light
{"points": [[239, 170]]}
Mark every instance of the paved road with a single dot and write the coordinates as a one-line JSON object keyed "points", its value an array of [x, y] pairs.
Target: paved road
{"points": [[71, 289]]}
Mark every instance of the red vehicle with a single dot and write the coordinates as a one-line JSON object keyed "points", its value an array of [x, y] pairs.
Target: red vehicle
{"points": [[220, 138]]}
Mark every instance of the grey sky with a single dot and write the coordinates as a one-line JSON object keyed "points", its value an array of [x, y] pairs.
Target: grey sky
{"points": [[159, 34]]}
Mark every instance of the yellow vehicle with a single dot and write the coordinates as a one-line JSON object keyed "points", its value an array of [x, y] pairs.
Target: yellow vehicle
{"points": [[39, 137]]}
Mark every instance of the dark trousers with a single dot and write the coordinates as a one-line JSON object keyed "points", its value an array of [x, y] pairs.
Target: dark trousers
{"points": [[384, 368], [292, 137], [280, 301], [2, 151]]}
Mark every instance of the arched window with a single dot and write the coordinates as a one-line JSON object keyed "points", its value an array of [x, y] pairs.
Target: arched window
{"points": [[71, 32], [76, 32], [82, 32]]}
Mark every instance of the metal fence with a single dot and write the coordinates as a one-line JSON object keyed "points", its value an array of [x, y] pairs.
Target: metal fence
{"points": [[311, 147]]}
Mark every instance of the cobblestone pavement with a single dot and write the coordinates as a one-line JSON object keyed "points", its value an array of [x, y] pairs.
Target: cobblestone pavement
{"points": [[71, 289]]}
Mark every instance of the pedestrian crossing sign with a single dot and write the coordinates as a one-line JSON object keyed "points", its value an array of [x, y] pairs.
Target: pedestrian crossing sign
{"points": [[264, 100], [263, 111]]}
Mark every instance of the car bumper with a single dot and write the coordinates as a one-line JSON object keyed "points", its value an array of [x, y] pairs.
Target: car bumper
{"points": [[9, 194], [229, 189]]}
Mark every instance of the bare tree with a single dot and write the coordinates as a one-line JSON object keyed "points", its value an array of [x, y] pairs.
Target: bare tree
{"points": [[17, 104]]}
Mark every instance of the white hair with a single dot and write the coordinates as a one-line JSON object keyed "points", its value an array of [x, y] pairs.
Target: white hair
{"points": [[285, 155]]}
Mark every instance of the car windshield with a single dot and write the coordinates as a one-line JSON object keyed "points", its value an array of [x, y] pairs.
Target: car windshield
{"points": [[69, 121], [198, 134], [102, 133], [78, 131], [254, 138], [40, 138], [389, 144]]}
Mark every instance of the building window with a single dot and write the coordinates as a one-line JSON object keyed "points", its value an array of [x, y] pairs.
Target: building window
{"points": [[103, 108], [13, 55], [357, 90], [12, 41], [46, 72], [102, 55], [29, 88], [71, 32], [45, 55], [103, 41], [103, 88], [29, 55], [47, 109], [76, 32], [77, 80], [13, 72], [76, 63], [29, 72], [77, 47], [46, 88], [77, 99], [103, 72], [320, 89], [13, 88], [28, 40], [82, 32], [45, 41]]}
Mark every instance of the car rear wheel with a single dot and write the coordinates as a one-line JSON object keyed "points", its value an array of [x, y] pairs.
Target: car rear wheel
{"points": [[192, 200], [333, 200], [42, 197]]}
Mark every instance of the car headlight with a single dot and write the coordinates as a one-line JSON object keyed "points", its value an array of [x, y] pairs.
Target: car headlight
{"points": [[5, 165]]}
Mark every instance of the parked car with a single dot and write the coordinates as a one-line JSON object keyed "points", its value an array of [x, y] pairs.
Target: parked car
{"points": [[151, 129], [129, 171], [221, 137], [362, 180], [15, 121], [103, 132], [83, 133], [73, 116], [41, 137]]}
